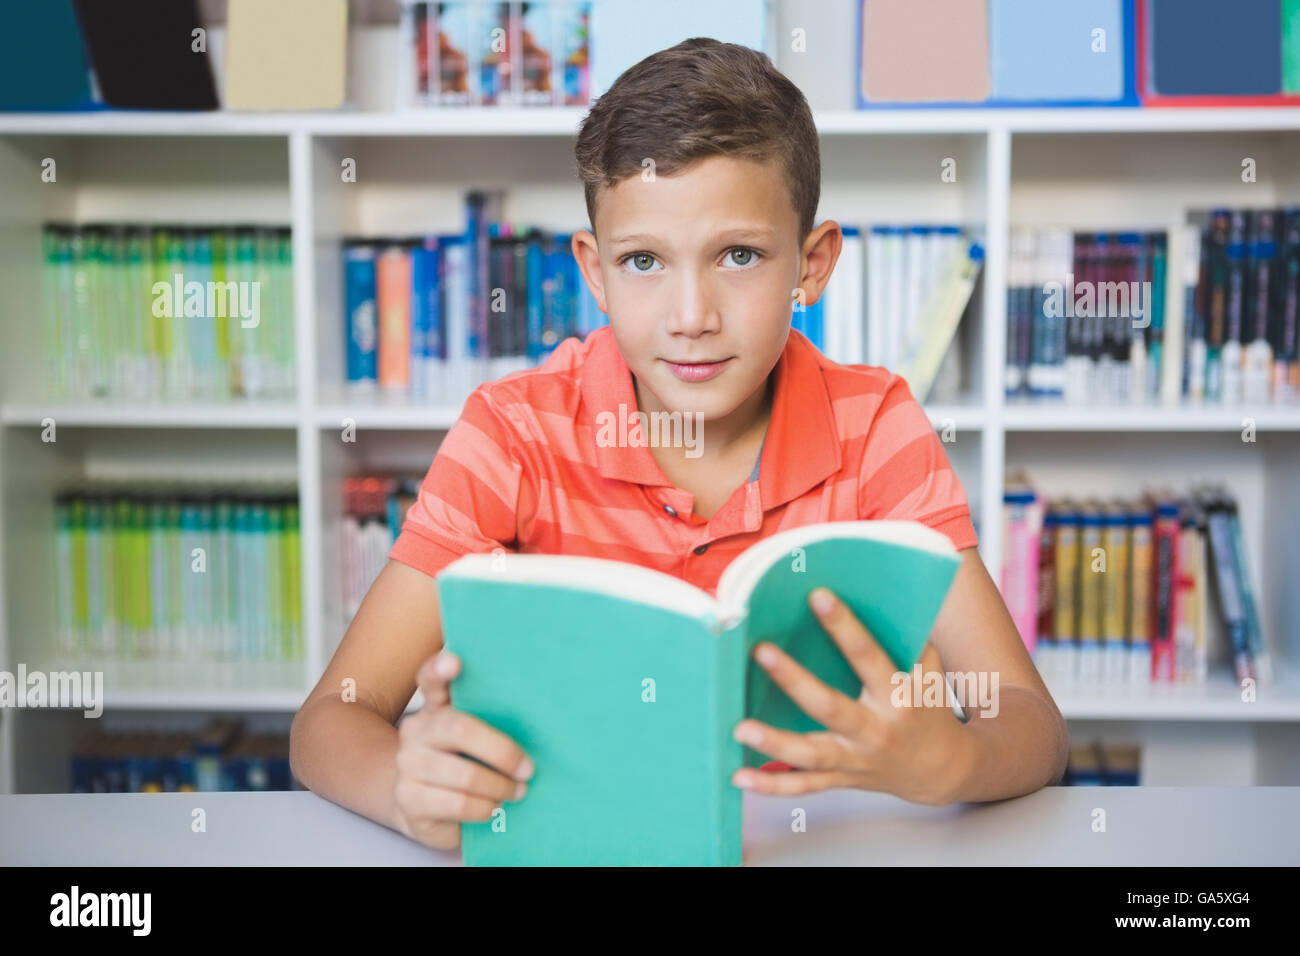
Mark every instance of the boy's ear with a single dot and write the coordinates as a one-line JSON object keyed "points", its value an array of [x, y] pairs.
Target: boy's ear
{"points": [[587, 254], [821, 250]]}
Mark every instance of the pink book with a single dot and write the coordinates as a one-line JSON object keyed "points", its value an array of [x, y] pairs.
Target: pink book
{"points": [[1022, 519]]}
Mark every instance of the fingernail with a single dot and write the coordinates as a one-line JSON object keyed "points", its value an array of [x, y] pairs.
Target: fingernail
{"points": [[822, 601], [741, 779], [749, 734], [520, 791], [765, 656], [444, 666], [525, 770]]}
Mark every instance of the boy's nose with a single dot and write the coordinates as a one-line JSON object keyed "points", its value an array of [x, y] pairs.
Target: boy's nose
{"points": [[695, 313]]}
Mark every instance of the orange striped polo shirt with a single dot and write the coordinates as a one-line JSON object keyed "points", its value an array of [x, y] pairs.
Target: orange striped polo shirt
{"points": [[527, 467]]}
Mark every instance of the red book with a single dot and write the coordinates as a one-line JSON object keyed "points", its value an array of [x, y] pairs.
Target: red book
{"points": [[1166, 546]]}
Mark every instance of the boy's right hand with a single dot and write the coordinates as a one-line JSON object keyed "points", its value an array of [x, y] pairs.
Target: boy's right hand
{"points": [[437, 787]]}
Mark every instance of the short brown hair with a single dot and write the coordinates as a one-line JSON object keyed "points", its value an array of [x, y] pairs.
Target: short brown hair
{"points": [[697, 99]]}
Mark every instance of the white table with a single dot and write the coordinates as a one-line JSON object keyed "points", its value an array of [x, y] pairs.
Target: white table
{"points": [[1155, 826]]}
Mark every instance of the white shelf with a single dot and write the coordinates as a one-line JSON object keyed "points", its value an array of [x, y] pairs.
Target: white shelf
{"points": [[1055, 417], [387, 412], [114, 414], [1218, 699], [963, 417], [552, 121], [251, 701]]}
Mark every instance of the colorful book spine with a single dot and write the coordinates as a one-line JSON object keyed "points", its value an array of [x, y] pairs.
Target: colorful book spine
{"points": [[1116, 598], [393, 303], [1142, 564], [1045, 651], [374, 509], [1092, 591], [1165, 538], [361, 313], [166, 312], [1066, 624], [1022, 531], [1243, 343], [1123, 589], [184, 577]]}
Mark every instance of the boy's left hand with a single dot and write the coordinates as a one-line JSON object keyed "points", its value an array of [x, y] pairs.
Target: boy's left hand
{"points": [[917, 753]]}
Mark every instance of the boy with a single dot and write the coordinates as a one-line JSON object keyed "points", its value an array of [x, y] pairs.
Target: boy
{"points": [[702, 178]]}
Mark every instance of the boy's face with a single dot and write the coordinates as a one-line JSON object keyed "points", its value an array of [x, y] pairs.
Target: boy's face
{"points": [[699, 267]]}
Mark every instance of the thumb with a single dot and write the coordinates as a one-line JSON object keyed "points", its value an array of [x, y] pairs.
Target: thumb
{"points": [[435, 676]]}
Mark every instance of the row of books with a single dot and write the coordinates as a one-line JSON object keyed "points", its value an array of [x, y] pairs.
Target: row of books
{"points": [[1085, 315], [1099, 764], [1088, 312], [1123, 592], [481, 53], [190, 575], [1243, 306], [919, 280], [373, 511], [223, 756], [434, 317], [163, 311]]}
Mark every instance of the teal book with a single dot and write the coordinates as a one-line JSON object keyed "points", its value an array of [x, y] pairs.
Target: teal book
{"points": [[624, 684]]}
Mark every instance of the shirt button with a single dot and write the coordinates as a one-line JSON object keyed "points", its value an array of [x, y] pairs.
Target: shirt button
{"points": [[701, 549], [671, 510]]}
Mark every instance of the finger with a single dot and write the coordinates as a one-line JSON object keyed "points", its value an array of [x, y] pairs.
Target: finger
{"points": [[423, 801], [435, 675], [455, 772], [867, 658], [436, 834], [791, 783], [456, 730], [814, 751], [832, 709]]}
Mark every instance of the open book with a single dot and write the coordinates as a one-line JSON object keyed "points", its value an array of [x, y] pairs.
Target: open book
{"points": [[624, 684]]}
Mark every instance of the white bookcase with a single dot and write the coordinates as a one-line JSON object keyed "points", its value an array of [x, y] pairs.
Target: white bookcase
{"points": [[1111, 168]]}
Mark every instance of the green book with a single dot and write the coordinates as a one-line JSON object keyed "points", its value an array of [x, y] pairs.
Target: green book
{"points": [[624, 684]]}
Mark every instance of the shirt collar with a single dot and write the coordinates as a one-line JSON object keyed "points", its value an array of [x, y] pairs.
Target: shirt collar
{"points": [[801, 448]]}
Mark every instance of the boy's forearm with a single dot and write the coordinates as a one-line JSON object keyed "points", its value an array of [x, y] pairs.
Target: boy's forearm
{"points": [[347, 753], [1023, 748]]}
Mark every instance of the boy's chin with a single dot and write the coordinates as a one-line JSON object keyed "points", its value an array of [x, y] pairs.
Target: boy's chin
{"points": [[707, 399]]}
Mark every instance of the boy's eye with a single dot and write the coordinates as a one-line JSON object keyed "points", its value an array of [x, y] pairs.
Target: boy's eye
{"points": [[640, 260], [746, 254]]}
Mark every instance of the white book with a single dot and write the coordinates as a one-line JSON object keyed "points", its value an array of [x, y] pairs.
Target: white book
{"points": [[876, 318], [855, 300], [892, 307], [915, 246]]}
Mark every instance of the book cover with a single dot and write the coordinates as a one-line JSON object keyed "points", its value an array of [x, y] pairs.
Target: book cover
{"points": [[624, 684]]}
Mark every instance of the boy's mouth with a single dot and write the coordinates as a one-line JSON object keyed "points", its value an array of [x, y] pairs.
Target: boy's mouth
{"points": [[696, 371]]}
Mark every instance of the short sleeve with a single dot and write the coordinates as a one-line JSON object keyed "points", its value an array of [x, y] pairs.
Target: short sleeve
{"points": [[905, 473], [468, 500]]}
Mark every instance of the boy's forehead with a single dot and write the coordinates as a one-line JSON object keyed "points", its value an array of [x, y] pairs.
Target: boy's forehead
{"points": [[723, 193]]}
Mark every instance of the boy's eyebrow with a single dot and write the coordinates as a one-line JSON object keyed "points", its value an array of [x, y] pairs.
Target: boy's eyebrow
{"points": [[759, 234]]}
